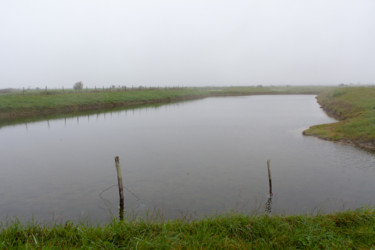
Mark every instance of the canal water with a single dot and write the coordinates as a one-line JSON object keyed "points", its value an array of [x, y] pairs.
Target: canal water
{"points": [[182, 160]]}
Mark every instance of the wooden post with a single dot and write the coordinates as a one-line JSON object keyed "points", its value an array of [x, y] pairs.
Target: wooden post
{"points": [[269, 176], [120, 187]]}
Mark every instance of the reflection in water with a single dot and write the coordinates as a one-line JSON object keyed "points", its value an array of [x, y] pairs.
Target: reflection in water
{"points": [[103, 115], [118, 110], [269, 177], [121, 212], [268, 205], [108, 205]]}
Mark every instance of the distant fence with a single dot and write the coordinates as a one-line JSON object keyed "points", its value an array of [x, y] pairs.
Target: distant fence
{"points": [[48, 91]]}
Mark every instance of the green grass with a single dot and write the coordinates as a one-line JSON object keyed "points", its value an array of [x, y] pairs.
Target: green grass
{"points": [[355, 110], [41, 103], [350, 229]]}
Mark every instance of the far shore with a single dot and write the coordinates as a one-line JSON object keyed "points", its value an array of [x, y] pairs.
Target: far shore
{"points": [[18, 105]]}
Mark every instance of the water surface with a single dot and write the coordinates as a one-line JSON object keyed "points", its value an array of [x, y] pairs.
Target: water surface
{"points": [[188, 159]]}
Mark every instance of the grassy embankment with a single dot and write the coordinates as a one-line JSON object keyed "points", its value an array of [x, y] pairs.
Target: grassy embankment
{"points": [[31, 104], [44, 103], [355, 110], [351, 229]]}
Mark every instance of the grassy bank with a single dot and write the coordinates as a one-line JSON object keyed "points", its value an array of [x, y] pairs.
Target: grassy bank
{"points": [[19, 104], [351, 229], [43, 103], [355, 110]]}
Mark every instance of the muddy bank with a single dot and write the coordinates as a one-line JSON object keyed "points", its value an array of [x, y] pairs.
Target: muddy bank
{"points": [[365, 145]]}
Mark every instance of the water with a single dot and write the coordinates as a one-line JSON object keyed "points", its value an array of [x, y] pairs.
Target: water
{"points": [[189, 159]]}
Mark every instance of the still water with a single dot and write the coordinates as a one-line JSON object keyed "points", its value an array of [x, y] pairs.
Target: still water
{"points": [[188, 159]]}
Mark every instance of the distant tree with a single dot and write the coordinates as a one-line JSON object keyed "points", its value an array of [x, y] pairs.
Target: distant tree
{"points": [[78, 86]]}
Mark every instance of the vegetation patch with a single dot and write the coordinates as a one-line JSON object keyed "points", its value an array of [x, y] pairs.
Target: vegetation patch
{"points": [[350, 229], [355, 110], [31, 104]]}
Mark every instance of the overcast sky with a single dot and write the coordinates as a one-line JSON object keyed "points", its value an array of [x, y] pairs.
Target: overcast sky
{"points": [[186, 42]]}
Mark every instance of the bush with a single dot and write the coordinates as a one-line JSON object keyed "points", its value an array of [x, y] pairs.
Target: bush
{"points": [[78, 86]]}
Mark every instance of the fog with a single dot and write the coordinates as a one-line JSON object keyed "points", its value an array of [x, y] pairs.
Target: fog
{"points": [[186, 43]]}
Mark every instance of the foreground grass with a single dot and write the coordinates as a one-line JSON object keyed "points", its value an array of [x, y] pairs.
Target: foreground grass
{"points": [[355, 110], [18, 104], [351, 229]]}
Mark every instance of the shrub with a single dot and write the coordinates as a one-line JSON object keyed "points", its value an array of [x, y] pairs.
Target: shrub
{"points": [[78, 86]]}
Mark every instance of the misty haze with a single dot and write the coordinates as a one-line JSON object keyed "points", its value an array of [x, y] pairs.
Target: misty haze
{"points": [[186, 43], [154, 115]]}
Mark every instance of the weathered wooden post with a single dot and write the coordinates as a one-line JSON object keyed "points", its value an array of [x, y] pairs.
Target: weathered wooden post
{"points": [[269, 176], [120, 187]]}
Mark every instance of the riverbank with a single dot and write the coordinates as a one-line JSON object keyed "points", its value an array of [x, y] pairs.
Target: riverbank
{"points": [[41, 104], [350, 229], [355, 110]]}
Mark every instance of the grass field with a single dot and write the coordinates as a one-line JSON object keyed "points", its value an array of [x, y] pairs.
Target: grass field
{"points": [[19, 104], [355, 110], [350, 229], [58, 101]]}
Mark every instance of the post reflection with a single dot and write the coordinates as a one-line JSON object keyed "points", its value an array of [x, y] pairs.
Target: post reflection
{"points": [[268, 205], [121, 211]]}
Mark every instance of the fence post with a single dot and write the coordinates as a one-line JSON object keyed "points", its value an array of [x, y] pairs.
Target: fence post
{"points": [[269, 176], [120, 187]]}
